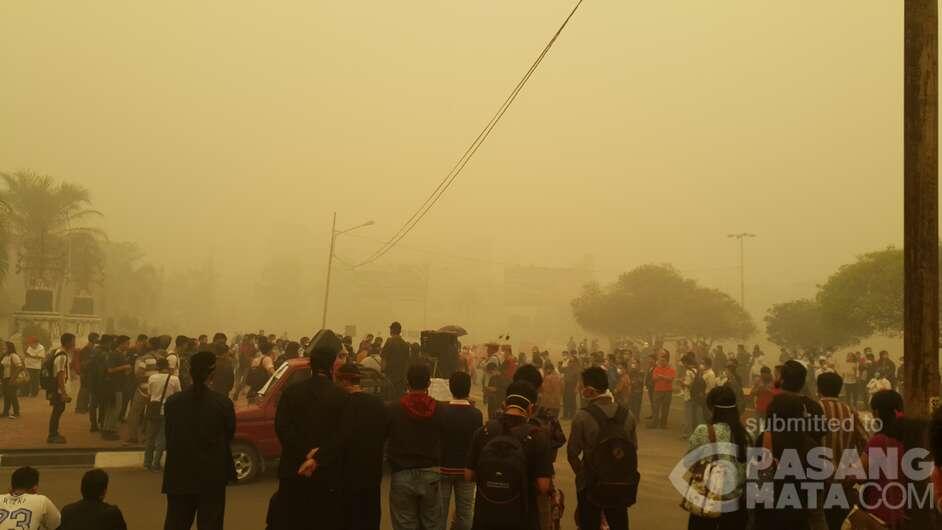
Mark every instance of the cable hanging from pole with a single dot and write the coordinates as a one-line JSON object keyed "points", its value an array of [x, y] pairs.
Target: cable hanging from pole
{"points": [[457, 168]]}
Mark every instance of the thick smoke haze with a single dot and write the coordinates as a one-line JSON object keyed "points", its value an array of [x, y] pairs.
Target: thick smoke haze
{"points": [[230, 131]]}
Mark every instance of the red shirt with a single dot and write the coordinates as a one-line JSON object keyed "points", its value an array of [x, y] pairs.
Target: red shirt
{"points": [[764, 394], [885, 507], [664, 385]]}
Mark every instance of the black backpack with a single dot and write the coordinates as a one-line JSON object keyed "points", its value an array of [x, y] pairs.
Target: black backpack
{"points": [[612, 466], [47, 373], [502, 477], [698, 388]]}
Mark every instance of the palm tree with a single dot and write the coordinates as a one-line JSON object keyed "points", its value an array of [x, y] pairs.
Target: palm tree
{"points": [[44, 219]]}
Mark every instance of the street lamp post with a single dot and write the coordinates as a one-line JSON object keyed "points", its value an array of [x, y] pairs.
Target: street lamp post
{"points": [[330, 260], [742, 271]]}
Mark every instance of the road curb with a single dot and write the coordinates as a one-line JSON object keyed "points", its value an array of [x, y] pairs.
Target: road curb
{"points": [[102, 458]]}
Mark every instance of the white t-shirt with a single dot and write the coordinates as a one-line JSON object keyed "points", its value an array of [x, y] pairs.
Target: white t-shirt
{"points": [[709, 377], [145, 366], [9, 363], [155, 386], [61, 364], [35, 355], [173, 361], [372, 361], [28, 512]]}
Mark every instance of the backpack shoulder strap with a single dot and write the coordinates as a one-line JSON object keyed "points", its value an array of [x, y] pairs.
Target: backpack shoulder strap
{"points": [[597, 414]]}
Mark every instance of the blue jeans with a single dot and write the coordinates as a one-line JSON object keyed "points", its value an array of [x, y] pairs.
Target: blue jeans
{"points": [[156, 442], [464, 502], [415, 499]]}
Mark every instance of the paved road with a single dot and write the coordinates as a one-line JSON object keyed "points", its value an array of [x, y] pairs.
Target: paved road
{"points": [[137, 492]]}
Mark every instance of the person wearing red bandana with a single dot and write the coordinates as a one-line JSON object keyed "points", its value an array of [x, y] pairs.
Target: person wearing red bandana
{"points": [[414, 454]]}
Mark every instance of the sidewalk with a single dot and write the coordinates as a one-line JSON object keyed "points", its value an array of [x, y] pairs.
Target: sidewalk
{"points": [[32, 428]]}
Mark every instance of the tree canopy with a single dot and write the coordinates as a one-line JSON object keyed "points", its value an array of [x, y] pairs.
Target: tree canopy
{"points": [[802, 325], [44, 219], [657, 301], [866, 297]]}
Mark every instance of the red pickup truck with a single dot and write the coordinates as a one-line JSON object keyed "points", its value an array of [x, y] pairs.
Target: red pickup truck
{"points": [[256, 446]]}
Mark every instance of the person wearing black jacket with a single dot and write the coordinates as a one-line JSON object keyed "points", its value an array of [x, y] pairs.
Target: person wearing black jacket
{"points": [[92, 512], [308, 426], [85, 380], [199, 427], [396, 359], [364, 427], [415, 455], [460, 419], [549, 506]]}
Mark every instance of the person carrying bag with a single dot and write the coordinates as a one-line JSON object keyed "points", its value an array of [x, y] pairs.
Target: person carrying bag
{"points": [[154, 413]]}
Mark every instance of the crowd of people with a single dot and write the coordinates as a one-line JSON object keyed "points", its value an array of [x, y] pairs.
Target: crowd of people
{"points": [[490, 469], [498, 471]]}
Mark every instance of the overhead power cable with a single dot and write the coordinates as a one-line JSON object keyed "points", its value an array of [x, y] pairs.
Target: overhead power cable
{"points": [[456, 170]]}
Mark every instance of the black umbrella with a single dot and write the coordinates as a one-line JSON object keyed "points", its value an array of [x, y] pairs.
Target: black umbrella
{"points": [[458, 331]]}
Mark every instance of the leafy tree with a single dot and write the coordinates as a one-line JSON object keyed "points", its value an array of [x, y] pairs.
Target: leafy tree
{"points": [[802, 325], [655, 301], [43, 218], [866, 297], [713, 314], [86, 261]]}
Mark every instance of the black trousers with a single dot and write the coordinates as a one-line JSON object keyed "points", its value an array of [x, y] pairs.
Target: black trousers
{"points": [[305, 504], [95, 412], [10, 399], [363, 509], [58, 407], [208, 509], [589, 516]]}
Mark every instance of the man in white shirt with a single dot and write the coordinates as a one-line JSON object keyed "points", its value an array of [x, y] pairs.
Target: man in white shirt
{"points": [[144, 367], [24, 508], [35, 355], [58, 396], [160, 386]]}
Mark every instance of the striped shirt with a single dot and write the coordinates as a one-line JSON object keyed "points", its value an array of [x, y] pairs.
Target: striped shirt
{"points": [[844, 429]]}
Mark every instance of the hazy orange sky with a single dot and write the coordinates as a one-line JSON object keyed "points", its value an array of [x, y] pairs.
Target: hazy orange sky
{"points": [[651, 131]]}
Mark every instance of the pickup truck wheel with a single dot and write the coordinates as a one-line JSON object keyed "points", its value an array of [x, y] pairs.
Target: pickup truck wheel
{"points": [[247, 462]]}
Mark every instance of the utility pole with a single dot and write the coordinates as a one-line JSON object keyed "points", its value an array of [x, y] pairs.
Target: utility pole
{"points": [[742, 266], [330, 266], [921, 206], [330, 261]]}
